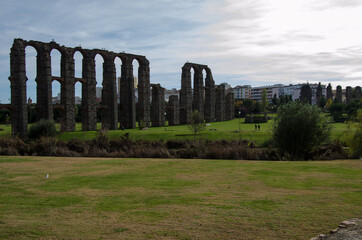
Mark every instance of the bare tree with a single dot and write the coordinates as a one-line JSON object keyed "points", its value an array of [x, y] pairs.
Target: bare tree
{"points": [[197, 123]]}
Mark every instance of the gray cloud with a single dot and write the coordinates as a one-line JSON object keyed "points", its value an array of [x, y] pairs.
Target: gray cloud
{"points": [[230, 36]]}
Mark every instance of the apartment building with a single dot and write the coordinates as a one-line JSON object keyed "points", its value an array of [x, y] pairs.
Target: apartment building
{"points": [[256, 92], [242, 92]]}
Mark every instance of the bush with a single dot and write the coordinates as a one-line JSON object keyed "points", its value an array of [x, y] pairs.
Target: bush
{"points": [[299, 128], [43, 128]]}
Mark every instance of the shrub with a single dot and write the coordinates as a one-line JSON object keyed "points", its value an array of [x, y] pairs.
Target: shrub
{"points": [[43, 128], [299, 128]]}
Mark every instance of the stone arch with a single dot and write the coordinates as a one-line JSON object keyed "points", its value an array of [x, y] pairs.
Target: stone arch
{"points": [[143, 87], [192, 99], [67, 80]]}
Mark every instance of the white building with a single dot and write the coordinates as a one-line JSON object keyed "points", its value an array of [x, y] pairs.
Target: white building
{"points": [[242, 92], [256, 92], [294, 91]]}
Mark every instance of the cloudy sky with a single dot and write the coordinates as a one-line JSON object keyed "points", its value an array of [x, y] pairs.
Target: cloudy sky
{"points": [[255, 42]]}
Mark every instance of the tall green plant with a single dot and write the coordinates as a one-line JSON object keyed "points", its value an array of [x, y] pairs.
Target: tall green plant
{"points": [[299, 128]]}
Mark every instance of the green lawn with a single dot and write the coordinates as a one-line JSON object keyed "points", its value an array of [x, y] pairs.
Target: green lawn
{"points": [[86, 198], [216, 131]]}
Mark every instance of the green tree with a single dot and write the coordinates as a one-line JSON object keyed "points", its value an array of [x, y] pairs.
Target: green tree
{"points": [[197, 123], [354, 135], [264, 100], [336, 110], [322, 102], [306, 94], [298, 128]]}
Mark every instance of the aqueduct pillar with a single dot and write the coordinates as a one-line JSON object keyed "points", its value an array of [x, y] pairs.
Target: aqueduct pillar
{"points": [[158, 105], [109, 95], [67, 91], [19, 121], [89, 108], [44, 106], [220, 103], [209, 97], [144, 108], [127, 96], [185, 96], [198, 93]]}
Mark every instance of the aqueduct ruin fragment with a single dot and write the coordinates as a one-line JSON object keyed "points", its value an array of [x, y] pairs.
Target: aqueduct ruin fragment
{"points": [[67, 81], [201, 98]]}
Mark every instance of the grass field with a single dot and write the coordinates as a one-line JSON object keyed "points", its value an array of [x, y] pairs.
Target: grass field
{"points": [[87, 198], [227, 130]]}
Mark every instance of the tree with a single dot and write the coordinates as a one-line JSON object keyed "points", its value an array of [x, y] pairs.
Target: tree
{"points": [[256, 108], [197, 123], [322, 102], [306, 94], [329, 92], [298, 128], [264, 100], [354, 135], [336, 110], [329, 103]]}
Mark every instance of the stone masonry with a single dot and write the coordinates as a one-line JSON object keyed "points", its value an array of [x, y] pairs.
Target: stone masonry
{"points": [[209, 100], [200, 98], [220, 103], [173, 110], [229, 106], [329, 92], [348, 94], [357, 92], [67, 81], [158, 105], [338, 98]]}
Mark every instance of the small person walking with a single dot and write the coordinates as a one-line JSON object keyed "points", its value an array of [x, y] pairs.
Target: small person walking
{"points": [[258, 127]]}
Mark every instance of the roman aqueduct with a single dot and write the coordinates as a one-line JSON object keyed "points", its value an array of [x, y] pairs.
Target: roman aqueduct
{"points": [[210, 100]]}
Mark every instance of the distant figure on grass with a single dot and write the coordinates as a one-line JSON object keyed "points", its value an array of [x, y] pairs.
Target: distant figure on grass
{"points": [[258, 127]]}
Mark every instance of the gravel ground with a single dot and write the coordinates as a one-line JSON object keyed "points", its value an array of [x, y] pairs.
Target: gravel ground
{"points": [[347, 230]]}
